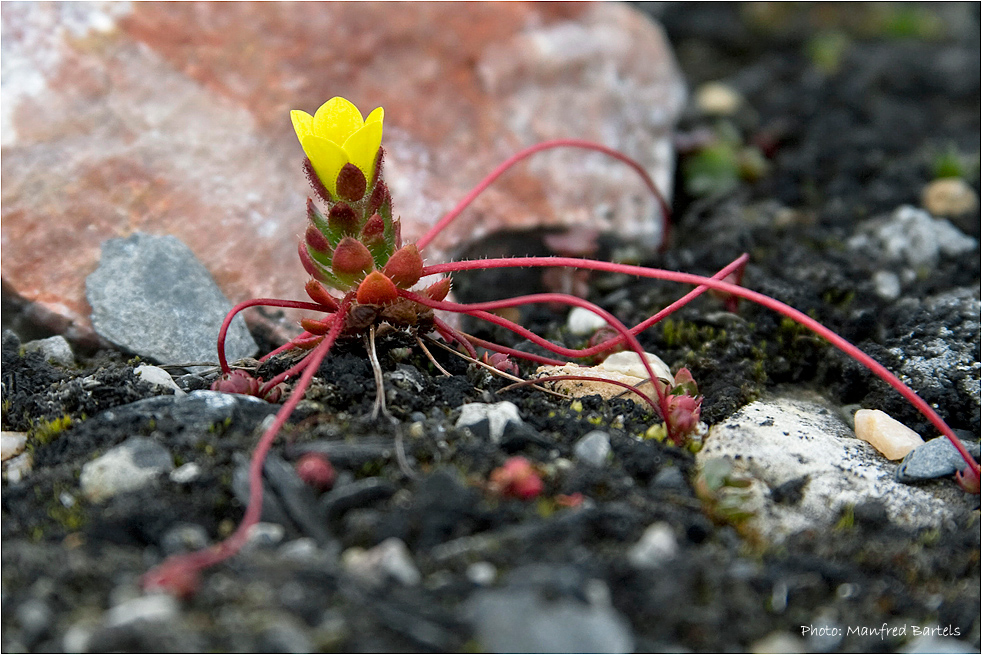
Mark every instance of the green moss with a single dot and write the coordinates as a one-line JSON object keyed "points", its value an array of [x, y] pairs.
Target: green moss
{"points": [[847, 521], [827, 50], [47, 431]]}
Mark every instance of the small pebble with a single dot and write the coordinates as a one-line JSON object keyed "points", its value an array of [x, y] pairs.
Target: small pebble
{"points": [[132, 465], [264, 535], [655, 547], [887, 285], [934, 459], [18, 468], [482, 573], [185, 473], [391, 558], [582, 322], [717, 99], [949, 196], [889, 436], [778, 642], [593, 448], [53, 349], [184, 538], [498, 415], [156, 607], [629, 363], [158, 377], [12, 443]]}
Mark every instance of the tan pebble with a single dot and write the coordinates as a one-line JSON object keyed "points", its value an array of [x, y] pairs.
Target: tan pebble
{"points": [[717, 99], [888, 435], [11, 443], [629, 363], [949, 196]]}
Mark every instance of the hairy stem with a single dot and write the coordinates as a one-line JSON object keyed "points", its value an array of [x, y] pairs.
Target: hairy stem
{"points": [[666, 212], [776, 305], [181, 567], [265, 302]]}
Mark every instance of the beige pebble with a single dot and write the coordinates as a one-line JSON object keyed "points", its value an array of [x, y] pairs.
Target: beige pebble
{"points": [[627, 362], [717, 99], [888, 435], [949, 196], [12, 443]]}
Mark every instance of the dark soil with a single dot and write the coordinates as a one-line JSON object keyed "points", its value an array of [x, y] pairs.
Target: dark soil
{"points": [[842, 143]]}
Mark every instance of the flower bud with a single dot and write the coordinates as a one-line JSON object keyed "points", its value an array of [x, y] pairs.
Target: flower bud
{"points": [[351, 258], [373, 233], [351, 183], [315, 182], [376, 289], [314, 326], [380, 193], [313, 269], [405, 266]]}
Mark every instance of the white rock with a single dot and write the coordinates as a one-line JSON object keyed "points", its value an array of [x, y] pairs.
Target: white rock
{"points": [[127, 467], [391, 558], [778, 642], [153, 608], [158, 376], [482, 573], [781, 439], [583, 323], [887, 285], [185, 473], [912, 236], [17, 468], [497, 414], [627, 362], [12, 443], [656, 546], [886, 434], [593, 448], [54, 349], [264, 535]]}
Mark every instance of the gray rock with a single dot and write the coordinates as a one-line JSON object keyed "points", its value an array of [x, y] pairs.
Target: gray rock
{"points": [[35, 618], [355, 494], [130, 466], [935, 459], [912, 236], [264, 535], [593, 448], [526, 617], [498, 415], [53, 349], [153, 297]]}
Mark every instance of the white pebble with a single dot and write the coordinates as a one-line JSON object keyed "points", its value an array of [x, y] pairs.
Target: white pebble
{"points": [[12, 443], [629, 363], [582, 322], [391, 558], [185, 473], [656, 546], [888, 435], [482, 573], [887, 285], [158, 376], [153, 608]]}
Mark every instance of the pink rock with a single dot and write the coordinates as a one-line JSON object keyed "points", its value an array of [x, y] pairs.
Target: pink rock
{"points": [[174, 119]]}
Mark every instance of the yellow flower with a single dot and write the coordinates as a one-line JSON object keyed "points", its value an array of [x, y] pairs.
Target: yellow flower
{"points": [[335, 135]]}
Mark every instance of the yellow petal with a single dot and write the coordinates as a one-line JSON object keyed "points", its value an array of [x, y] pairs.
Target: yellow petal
{"points": [[377, 115], [303, 123], [327, 158], [336, 120], [362, 146]]}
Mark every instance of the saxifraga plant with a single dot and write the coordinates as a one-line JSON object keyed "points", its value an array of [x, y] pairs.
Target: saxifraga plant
{"points": [[354, 248]]}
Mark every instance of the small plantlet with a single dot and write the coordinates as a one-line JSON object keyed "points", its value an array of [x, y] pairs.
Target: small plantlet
{"points": [[364, 276]]}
